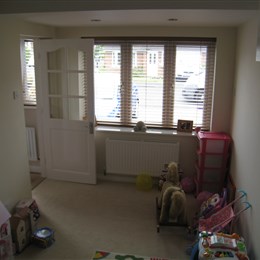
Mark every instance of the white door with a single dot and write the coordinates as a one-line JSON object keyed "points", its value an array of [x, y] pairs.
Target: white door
{"points": [[65, 96]]}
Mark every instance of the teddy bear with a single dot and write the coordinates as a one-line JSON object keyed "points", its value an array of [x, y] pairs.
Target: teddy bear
{"points": [[172, 199], [140, 127]]}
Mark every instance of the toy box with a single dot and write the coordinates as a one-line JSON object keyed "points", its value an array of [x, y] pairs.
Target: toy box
{"points": [[21, 231], [6, 246], [32, 209]]}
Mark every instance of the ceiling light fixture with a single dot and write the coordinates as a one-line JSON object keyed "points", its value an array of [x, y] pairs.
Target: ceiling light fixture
{"points": [[95, 20]]}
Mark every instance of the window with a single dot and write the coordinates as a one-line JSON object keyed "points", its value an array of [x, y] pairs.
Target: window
{"points": [[116, 58], [157, 82], [28, 73]]}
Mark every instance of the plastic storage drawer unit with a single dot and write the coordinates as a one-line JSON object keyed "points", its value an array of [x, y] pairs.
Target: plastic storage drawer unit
{"points": [[211, 160], [210, 174], [214, 142]]}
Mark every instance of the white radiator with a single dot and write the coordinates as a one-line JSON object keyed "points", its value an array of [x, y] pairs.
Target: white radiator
{"points": [[31, 144], [134, 157]]}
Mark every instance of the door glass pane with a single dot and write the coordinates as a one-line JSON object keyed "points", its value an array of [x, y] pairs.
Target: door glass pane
{"points": [[76, 59], [77, 109], [77, 84], [74, 108], [55, 83], [56, 110], [72, 91], [54, 59]]}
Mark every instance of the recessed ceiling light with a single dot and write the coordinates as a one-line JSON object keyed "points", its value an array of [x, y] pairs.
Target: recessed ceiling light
{"points": [[95, 20], [172, 19]]}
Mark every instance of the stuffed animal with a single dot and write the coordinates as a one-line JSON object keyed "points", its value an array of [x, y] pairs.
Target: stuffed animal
{"points": [[140, 127], [172, 200]]}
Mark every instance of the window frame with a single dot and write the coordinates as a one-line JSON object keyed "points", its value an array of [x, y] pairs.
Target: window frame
{"points": [[167, 115]]}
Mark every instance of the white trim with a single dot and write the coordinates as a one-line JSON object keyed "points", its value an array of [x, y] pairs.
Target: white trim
{"points": [[154, 131]]}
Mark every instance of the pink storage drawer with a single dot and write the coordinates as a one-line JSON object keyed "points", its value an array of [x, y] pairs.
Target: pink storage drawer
{"points": [[210, 174], [211, 160], [213, 142], [208, 186]]}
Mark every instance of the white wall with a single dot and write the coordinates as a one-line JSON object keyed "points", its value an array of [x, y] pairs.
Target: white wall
{"points": [[245, 132], [14, 176]]}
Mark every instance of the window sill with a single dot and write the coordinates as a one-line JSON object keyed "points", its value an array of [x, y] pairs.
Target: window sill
{"points": [[153, 131]]}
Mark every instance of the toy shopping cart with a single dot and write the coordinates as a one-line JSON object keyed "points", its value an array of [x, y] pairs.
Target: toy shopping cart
{"points": [[208, 208], [223, 219]]}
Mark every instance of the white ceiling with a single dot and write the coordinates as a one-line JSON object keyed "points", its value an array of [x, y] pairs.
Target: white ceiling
{"points": [[155, 17], [133, 12]]}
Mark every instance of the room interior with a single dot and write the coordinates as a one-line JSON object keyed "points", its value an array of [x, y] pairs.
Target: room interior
{"points": [[236, 93]]}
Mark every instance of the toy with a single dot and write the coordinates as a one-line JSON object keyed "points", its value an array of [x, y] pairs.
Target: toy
{"points": [[21, 231], [162, 177], [203, 196], [172, 200], [6, 248], [140, 127], [144, 182], [188, 184], [43, 237]]}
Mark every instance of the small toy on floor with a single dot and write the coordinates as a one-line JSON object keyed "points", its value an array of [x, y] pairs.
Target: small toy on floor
{"points": [[43, 237]]}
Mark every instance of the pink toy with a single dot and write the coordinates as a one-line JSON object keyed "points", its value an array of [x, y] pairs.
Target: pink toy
{"points": [[188, 184], [220, 219], [203, 196]]}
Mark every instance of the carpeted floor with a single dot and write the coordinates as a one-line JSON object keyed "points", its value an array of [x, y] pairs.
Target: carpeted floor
{"points": [[112, 216]]}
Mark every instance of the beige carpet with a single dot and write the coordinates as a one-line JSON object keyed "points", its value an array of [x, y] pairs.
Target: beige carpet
{"points": [[109, 216]]}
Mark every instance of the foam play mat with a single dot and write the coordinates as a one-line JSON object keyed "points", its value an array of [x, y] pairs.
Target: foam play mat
{"points": [[120, 256]]}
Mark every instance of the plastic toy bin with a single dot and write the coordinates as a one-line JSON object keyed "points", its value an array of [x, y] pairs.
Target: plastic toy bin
{"points": [[213, 142], [210, 174], [211, 160], [207, 186]]}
